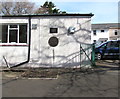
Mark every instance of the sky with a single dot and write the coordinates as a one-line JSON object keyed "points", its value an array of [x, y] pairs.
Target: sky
{"points": [[104, 12]]}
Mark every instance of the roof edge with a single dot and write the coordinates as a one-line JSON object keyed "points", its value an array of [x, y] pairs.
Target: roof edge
{"points": [[32, 15]]}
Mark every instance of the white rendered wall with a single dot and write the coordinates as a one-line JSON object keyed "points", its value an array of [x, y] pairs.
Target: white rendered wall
{"points": [[66, 53], [69, 45]]}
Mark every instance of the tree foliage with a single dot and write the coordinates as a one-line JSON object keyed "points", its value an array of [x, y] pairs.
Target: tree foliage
{"points": [[17, 8], [49, 8]]}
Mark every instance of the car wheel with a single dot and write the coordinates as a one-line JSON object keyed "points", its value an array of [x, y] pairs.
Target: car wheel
{"points": [[99, 56]]}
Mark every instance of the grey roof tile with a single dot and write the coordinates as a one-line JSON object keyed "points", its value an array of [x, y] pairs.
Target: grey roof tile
{"points": [[105, 26]]}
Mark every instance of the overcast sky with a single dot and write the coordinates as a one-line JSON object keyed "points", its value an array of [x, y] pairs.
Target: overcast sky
{"points": [[104, 12]]}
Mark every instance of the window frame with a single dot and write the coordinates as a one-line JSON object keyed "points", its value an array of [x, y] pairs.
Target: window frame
{"points": [[8, 43]]}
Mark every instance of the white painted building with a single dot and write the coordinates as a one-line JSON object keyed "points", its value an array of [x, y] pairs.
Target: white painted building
{"points": [[45, 40], [104, 32]]}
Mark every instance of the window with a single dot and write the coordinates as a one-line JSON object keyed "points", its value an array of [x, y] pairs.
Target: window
{"points": [[94, 41], [102, 30], [53, 30], [94, 32], [115, 32], [113, 44], [14, 33], [13, 36], [34, 26], [13, 26], [4, 33], [105, 45], [23, 33]]}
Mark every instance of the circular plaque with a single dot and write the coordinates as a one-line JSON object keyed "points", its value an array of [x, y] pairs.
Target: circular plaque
{"points": [[53, 41]]}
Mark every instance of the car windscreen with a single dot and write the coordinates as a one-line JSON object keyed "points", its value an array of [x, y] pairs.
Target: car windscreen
{"points": [[102, 45]]}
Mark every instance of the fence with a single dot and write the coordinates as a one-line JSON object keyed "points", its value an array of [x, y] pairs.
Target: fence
{"points": [[84, 58]]}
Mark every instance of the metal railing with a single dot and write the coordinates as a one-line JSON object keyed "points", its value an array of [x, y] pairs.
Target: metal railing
{"points": [[85, 56]]}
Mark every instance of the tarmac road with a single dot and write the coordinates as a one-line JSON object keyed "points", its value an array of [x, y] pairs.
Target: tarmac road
{"points": [[101, 82]]}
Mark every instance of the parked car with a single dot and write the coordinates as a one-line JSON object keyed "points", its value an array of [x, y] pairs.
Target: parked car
{"points": [[108, 50]]}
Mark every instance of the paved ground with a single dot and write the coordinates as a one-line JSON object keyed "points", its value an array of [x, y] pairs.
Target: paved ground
{"points": [[101, 82]]}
